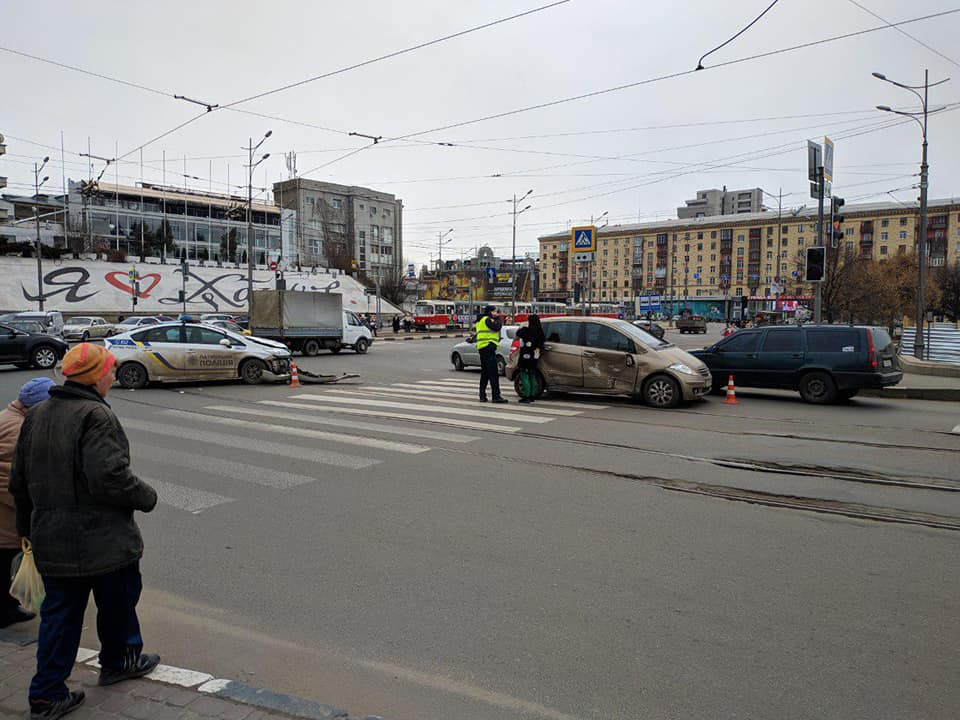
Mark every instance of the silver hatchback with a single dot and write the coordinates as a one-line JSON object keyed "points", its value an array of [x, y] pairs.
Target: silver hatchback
{"points": [[465, 353], [177, 352]]}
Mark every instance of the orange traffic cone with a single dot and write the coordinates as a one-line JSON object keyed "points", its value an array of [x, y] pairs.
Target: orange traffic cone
{"points": [[731, 398], [295, 378]]}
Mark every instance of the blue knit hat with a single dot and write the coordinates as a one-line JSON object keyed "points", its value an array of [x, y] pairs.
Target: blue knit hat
{"points": [[36, 390]]}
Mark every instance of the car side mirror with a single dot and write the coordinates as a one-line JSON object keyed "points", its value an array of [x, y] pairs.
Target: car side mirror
{"points": [[471, 338], [226, 343]]}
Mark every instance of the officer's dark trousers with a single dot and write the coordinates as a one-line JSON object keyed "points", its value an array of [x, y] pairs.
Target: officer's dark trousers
{"points": [[61, 621], [488, 371]]}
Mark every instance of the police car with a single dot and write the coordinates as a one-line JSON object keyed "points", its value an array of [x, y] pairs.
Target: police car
{"points": [[187, 350]]}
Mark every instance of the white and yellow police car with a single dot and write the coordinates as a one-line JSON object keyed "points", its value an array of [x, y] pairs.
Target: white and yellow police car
{"points": [[184, 351]]}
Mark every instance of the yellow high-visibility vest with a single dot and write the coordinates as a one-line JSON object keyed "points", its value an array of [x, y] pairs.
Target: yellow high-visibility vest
{"points": [[486, 336]]}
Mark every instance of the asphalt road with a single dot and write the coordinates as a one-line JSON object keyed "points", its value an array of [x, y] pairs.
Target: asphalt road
{"points": [[394, 548]]}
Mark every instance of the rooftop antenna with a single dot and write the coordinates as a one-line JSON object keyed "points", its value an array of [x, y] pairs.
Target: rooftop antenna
{"points": [[291, 158]]}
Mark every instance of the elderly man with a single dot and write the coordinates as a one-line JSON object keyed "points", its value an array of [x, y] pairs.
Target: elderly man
{"points": [[75, 495], [11, 418]]}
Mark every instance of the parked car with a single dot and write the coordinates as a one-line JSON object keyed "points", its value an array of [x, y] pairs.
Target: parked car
{"points": [[27, 349], [135, 321], [465, 353], [651, 327], [209, 317], [51, 320], [182, 351], [823, 362], [614, 357], [86, 328], [30, 326], [227, 325]]}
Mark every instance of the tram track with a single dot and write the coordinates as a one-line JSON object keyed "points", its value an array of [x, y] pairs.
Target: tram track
{"points": [[731, 493]]}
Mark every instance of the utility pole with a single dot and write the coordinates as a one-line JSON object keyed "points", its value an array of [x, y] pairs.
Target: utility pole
{"points": [[919, 350], [37, 182], [440, 244], [513, 271], [251, 149], [818, 287]]}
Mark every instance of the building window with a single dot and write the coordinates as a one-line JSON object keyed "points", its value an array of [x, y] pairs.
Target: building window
{"points": [[903, 223], [713, 235], [883, 236], [800, 243], [740, 239], [883, 251], [903, 236], [800, 229], [740, 252], [884, 223], [363, 236], [785, 228], [740, 290], [336, 202]]}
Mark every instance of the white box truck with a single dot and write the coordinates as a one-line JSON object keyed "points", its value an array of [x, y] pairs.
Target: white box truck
{"points": [[307, 322]]}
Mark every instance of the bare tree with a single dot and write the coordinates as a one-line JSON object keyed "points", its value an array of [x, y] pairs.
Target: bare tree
{"points": [[947, 278]]}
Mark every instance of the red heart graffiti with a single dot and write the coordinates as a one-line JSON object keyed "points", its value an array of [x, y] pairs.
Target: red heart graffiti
{"points": [[121, 281]]}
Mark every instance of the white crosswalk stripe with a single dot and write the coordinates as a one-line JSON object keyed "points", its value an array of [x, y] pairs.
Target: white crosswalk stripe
{"points": [[337, 397], [393, 446], [243, 471], [420, 433], [384, 413], [431, 395], [185, 498], [269, 447], [471, 392]]}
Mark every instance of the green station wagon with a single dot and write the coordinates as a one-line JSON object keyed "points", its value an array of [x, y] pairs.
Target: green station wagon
{"points": [[824, 362]]}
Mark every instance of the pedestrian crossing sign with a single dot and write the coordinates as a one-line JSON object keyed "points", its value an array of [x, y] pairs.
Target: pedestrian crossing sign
{"points": [[584, 239]]}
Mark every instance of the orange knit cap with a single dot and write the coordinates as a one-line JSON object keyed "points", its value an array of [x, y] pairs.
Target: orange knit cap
{"points": [[86, 363]]}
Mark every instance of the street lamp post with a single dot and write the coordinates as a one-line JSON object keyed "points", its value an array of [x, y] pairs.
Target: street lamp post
{"points": [[37, 182], [440, 244], [918, 345], [513, 267], [251, 149]]}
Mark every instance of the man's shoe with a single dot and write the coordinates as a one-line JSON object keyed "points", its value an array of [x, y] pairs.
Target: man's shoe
{"points": [[500, 401], [144, 665], [526, 400], [17, 616], [51, 710], [483, 398]]}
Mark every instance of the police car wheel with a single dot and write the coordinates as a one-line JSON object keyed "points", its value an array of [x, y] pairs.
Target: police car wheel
{"points": [[457, 362], [43, 357], [251, 371], [361, 346], [86, 336], [132, 376]]}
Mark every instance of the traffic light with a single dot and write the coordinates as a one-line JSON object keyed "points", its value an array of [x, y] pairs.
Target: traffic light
{"points": [[816, 264], [836, 231]]}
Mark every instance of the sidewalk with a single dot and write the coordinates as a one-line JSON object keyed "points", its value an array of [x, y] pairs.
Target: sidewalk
{"points": [[920, 387], [168, 693], [386, 336]]}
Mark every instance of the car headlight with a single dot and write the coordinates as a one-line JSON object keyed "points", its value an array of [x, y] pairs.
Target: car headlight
{"points": [[681, 368]]}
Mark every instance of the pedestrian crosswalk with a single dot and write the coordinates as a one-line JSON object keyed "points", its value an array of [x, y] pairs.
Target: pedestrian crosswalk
{"points": [[208, 456]]}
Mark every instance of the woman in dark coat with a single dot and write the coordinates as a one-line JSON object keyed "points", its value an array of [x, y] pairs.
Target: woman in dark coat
{"points": [[531, 339]]}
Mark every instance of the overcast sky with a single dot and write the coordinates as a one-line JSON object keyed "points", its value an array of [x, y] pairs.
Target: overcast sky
{"points": [[744, 125]]}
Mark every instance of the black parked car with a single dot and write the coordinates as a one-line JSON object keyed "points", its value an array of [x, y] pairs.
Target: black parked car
{"points": [[824, 362], [25, 349], [651, 327]]}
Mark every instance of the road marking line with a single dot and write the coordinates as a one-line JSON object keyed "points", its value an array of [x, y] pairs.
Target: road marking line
{"points": [[185, 498], [391, 445], [325, 457], [956, 430], [214, 686], [438, 409], [466, 382], [473, 390], [84, 654], [432, 394], [179, 676], [465, 424], [341, 422], [230, 469]]}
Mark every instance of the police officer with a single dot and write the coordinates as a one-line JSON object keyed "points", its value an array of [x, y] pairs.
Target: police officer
{"points": [[488, 339]]}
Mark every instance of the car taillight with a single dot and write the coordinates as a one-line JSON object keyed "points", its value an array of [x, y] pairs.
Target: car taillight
{"points": [[871, 351], [514, 346]]}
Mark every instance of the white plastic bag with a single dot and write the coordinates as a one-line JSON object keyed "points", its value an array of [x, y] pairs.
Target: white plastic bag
{"points": [[27, 585]]}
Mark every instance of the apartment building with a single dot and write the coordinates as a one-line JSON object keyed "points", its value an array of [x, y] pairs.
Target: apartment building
{"points": [[702, 261], [722, 202]]}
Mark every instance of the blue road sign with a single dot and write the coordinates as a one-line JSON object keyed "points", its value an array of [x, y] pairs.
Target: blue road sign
{"points": [[724, 277], [492, 274], [584, 238], [696, 276]]}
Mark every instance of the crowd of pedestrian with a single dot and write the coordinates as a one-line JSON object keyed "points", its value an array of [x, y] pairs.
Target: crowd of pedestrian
{"points": [[68, 495]]}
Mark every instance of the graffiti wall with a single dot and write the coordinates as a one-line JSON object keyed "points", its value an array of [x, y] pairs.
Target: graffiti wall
{"points": [[81, 286]]}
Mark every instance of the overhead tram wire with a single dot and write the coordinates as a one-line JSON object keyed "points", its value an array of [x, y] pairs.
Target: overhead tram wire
{"points": [[742, 31], [904, 32], [396, 53]]}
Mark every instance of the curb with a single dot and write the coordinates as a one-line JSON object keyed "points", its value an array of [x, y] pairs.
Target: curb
{"points": [[908, 393], [207, 685], [421, 337]]}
